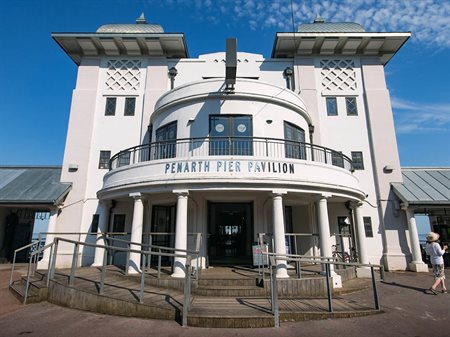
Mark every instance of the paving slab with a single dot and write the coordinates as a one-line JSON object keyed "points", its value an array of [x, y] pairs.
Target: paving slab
{"points": [[407, 311]]}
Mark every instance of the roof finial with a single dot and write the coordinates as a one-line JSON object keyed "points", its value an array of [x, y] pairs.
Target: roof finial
{"points": [[319, 19], [141, 19]]}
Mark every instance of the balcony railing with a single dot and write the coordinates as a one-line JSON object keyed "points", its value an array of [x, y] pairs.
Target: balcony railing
{"points": [[270, 148]]}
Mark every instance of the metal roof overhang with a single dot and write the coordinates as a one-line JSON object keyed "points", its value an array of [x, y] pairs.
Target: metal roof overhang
{"points": [[424, 187], [79, 45], [382, 45]]}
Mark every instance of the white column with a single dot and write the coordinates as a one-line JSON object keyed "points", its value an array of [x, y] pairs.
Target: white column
{"points": [[279, 232], [51, 228], [324, 227], [416, 264], [324, 236], [181, 233], [103, 214], [136, 233], [360, 234]]}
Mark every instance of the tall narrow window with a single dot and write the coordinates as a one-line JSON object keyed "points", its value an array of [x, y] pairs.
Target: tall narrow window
{"points": [[368, 226], [230, 135], [110, 108], [130, 106], [332, 106], [294, 141], [94, 223], [352, 109], [105, 156], [358, 161], [166, 141]]}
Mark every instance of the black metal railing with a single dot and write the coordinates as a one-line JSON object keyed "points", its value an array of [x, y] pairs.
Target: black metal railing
{"points": [[230, 146]]}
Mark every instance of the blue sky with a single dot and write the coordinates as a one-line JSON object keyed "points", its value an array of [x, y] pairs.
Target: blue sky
{"points": [[37, 78]]}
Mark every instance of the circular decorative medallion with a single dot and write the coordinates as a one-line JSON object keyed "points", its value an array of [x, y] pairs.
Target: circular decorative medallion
{"points": [[220, 127], [241, 128]]}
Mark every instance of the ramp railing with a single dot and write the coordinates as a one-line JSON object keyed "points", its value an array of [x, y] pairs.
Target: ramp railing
{"points": [[326, 262]]}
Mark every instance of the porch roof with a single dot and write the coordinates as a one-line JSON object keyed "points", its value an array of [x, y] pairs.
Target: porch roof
{"points": [[424, 186], [32, 185]]}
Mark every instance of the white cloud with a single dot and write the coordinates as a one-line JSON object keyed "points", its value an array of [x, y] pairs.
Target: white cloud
{"points": [[426, 19], [420, 117]]}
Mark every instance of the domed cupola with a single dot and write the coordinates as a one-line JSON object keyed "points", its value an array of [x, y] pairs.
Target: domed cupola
{"points": [[141, 26]]}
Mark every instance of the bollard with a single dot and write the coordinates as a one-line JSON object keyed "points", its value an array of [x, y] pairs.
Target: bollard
{"points": [[375, 291], [327, 273]]}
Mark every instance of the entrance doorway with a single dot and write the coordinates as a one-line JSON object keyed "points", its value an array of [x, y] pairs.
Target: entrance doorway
{"points": [[163, 228], [230, 228]]}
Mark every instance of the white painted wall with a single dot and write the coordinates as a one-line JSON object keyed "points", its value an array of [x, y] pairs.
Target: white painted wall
{"points": [[260, 92]]}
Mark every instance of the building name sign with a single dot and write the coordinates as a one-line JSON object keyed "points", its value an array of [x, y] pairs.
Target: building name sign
{"points": [[227, 166]]}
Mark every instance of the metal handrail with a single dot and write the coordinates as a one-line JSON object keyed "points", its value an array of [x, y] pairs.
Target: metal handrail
{"points": [[262, 241], [33, 260], [327, 262], [144, 253], [150, 248], [236, 146], [36, 242]]}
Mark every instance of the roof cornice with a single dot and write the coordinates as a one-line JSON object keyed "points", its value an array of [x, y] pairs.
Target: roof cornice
{"points": [[79, 45], [382, 45]]}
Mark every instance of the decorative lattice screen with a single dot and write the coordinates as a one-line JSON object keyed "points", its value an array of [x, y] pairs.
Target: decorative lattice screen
{"points": [[338, 75], [123, 75]]}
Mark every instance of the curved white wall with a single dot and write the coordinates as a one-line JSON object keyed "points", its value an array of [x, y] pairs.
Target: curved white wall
{"points": [[269, 106]]}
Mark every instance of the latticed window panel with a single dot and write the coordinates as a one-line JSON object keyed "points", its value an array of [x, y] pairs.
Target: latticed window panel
{"points": [[123, 75], [338, 75], [110, 108], [352, 109], [130, 105], [358, 161]]}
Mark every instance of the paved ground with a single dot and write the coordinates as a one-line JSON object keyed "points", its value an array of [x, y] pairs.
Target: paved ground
{"points": [[408, 311]]}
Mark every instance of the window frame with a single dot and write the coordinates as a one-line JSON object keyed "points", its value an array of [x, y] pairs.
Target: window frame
{"points": [[292, 147], [107, 106], [123, 158], [361, 163], [126, 105], [167, 147], [337, 158], [95, 222], [102, 162], [368, 229], [352, 113], [334, 100], [231, 143]]}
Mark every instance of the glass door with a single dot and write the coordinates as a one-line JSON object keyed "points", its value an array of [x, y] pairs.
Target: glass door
{"points": [[230, 227], [163, 229], [230, 135]]}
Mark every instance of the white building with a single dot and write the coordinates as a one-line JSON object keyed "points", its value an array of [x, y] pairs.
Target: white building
{"points": [[301, 142]]}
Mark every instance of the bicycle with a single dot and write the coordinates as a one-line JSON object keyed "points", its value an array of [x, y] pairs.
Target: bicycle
{"points": [[340, 255]]}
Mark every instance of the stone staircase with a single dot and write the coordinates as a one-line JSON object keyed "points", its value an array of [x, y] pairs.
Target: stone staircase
{"points": [[229, 287], [37, 291], [221, 298]]}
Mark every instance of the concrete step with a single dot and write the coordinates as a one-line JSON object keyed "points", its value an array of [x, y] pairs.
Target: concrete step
{"points": [[225, 320], [37, 292], [229, 291], [250, 282]]}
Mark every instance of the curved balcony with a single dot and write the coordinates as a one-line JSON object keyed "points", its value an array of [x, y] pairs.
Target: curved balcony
{"points": [[191, 148]]}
